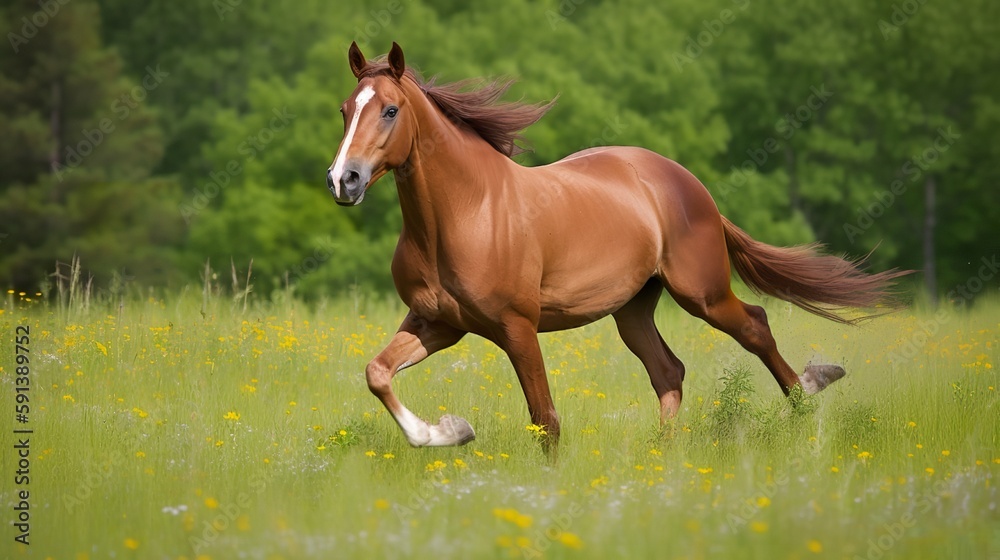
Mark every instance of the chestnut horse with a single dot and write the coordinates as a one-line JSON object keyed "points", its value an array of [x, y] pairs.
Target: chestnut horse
{"points": [[505, 251]]}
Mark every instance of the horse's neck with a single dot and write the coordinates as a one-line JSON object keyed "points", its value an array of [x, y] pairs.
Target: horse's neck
{"points": [[445, 182]]}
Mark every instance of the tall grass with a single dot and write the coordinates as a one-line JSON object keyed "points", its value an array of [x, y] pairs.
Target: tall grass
{"points": [[197, 425]]}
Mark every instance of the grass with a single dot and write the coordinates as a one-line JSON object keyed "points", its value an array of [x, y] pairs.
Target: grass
{"points": [[193, 427]]}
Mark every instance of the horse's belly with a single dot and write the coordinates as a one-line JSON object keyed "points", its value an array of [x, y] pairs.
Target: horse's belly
{"points": [[570, 306]]}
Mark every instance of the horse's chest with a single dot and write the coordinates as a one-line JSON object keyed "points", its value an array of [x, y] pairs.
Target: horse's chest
{"points": [[419, 287]]}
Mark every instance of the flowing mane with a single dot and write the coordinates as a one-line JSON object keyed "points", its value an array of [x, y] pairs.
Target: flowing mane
{"points": [[476, 104]]}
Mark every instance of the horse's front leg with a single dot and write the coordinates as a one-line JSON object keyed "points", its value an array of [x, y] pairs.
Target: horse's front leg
{"points": [[416, 339], [519, 339]]}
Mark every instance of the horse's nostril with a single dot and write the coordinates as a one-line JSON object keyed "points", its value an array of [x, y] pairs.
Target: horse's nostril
{"points": [[351, 178]]}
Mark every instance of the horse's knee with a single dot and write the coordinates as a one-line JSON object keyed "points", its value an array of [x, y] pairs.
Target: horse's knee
{"points": [[379, 377]]}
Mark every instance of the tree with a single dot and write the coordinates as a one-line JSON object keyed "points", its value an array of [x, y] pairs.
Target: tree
{"points": [[76, 157]]}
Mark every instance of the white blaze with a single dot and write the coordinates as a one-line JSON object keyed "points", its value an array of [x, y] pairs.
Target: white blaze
{"points": [[360, 101]]}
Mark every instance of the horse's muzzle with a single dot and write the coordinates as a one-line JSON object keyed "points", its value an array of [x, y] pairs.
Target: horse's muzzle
{"points": [[353, 182]]}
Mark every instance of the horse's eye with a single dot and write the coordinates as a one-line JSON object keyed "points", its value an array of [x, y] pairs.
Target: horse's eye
{"points": [[390, 112]]}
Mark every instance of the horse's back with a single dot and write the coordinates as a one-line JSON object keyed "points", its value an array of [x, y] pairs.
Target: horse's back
{"points": [[673, 190]]}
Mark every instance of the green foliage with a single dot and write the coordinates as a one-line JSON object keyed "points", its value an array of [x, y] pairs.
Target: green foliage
{"points": [[79, 144], [805, 122]]}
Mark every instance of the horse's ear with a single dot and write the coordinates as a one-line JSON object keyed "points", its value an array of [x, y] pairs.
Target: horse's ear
{"points": [[396, 61], [357, 60]]}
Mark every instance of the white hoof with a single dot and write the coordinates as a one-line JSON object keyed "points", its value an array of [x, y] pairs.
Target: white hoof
{"points": [[815, 378], [451, 430]]}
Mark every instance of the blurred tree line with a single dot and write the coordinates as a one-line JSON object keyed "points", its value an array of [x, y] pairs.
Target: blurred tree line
{"points": [[147, 137]]}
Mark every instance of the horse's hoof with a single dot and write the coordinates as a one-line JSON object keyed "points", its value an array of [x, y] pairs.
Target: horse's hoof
{"points": [[815, 378], [455, 430]]}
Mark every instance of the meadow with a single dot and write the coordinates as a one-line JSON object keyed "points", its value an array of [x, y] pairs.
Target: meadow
{"points": [[194, 427]]}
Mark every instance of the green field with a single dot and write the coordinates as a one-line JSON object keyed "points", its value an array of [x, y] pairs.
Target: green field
{"points": [[176, 428]]}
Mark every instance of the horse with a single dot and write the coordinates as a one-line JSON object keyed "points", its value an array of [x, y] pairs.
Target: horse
{"points": [[504, 251]]}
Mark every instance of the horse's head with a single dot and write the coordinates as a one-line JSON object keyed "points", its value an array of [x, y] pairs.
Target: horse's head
{"points": [[377, 127]]}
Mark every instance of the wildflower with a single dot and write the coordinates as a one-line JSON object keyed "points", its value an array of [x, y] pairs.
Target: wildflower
{"points": [[460, 463], [911, 424], [834, 469], [536, 429], [763, 501], [232, 416], [388, 456], [569, 540], [369, 453], [381, 504], [946, 452], [211, 503], [759, 527], [814, 546], [140, 454], [864, 455], [131, 544], [513, 516]]}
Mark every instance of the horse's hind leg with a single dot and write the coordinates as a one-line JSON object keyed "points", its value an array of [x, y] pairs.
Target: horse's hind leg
{"points": [[638, 331], [696, 273]]}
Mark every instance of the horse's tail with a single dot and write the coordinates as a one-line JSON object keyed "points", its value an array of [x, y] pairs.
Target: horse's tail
{"points": [[820, 284]]}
